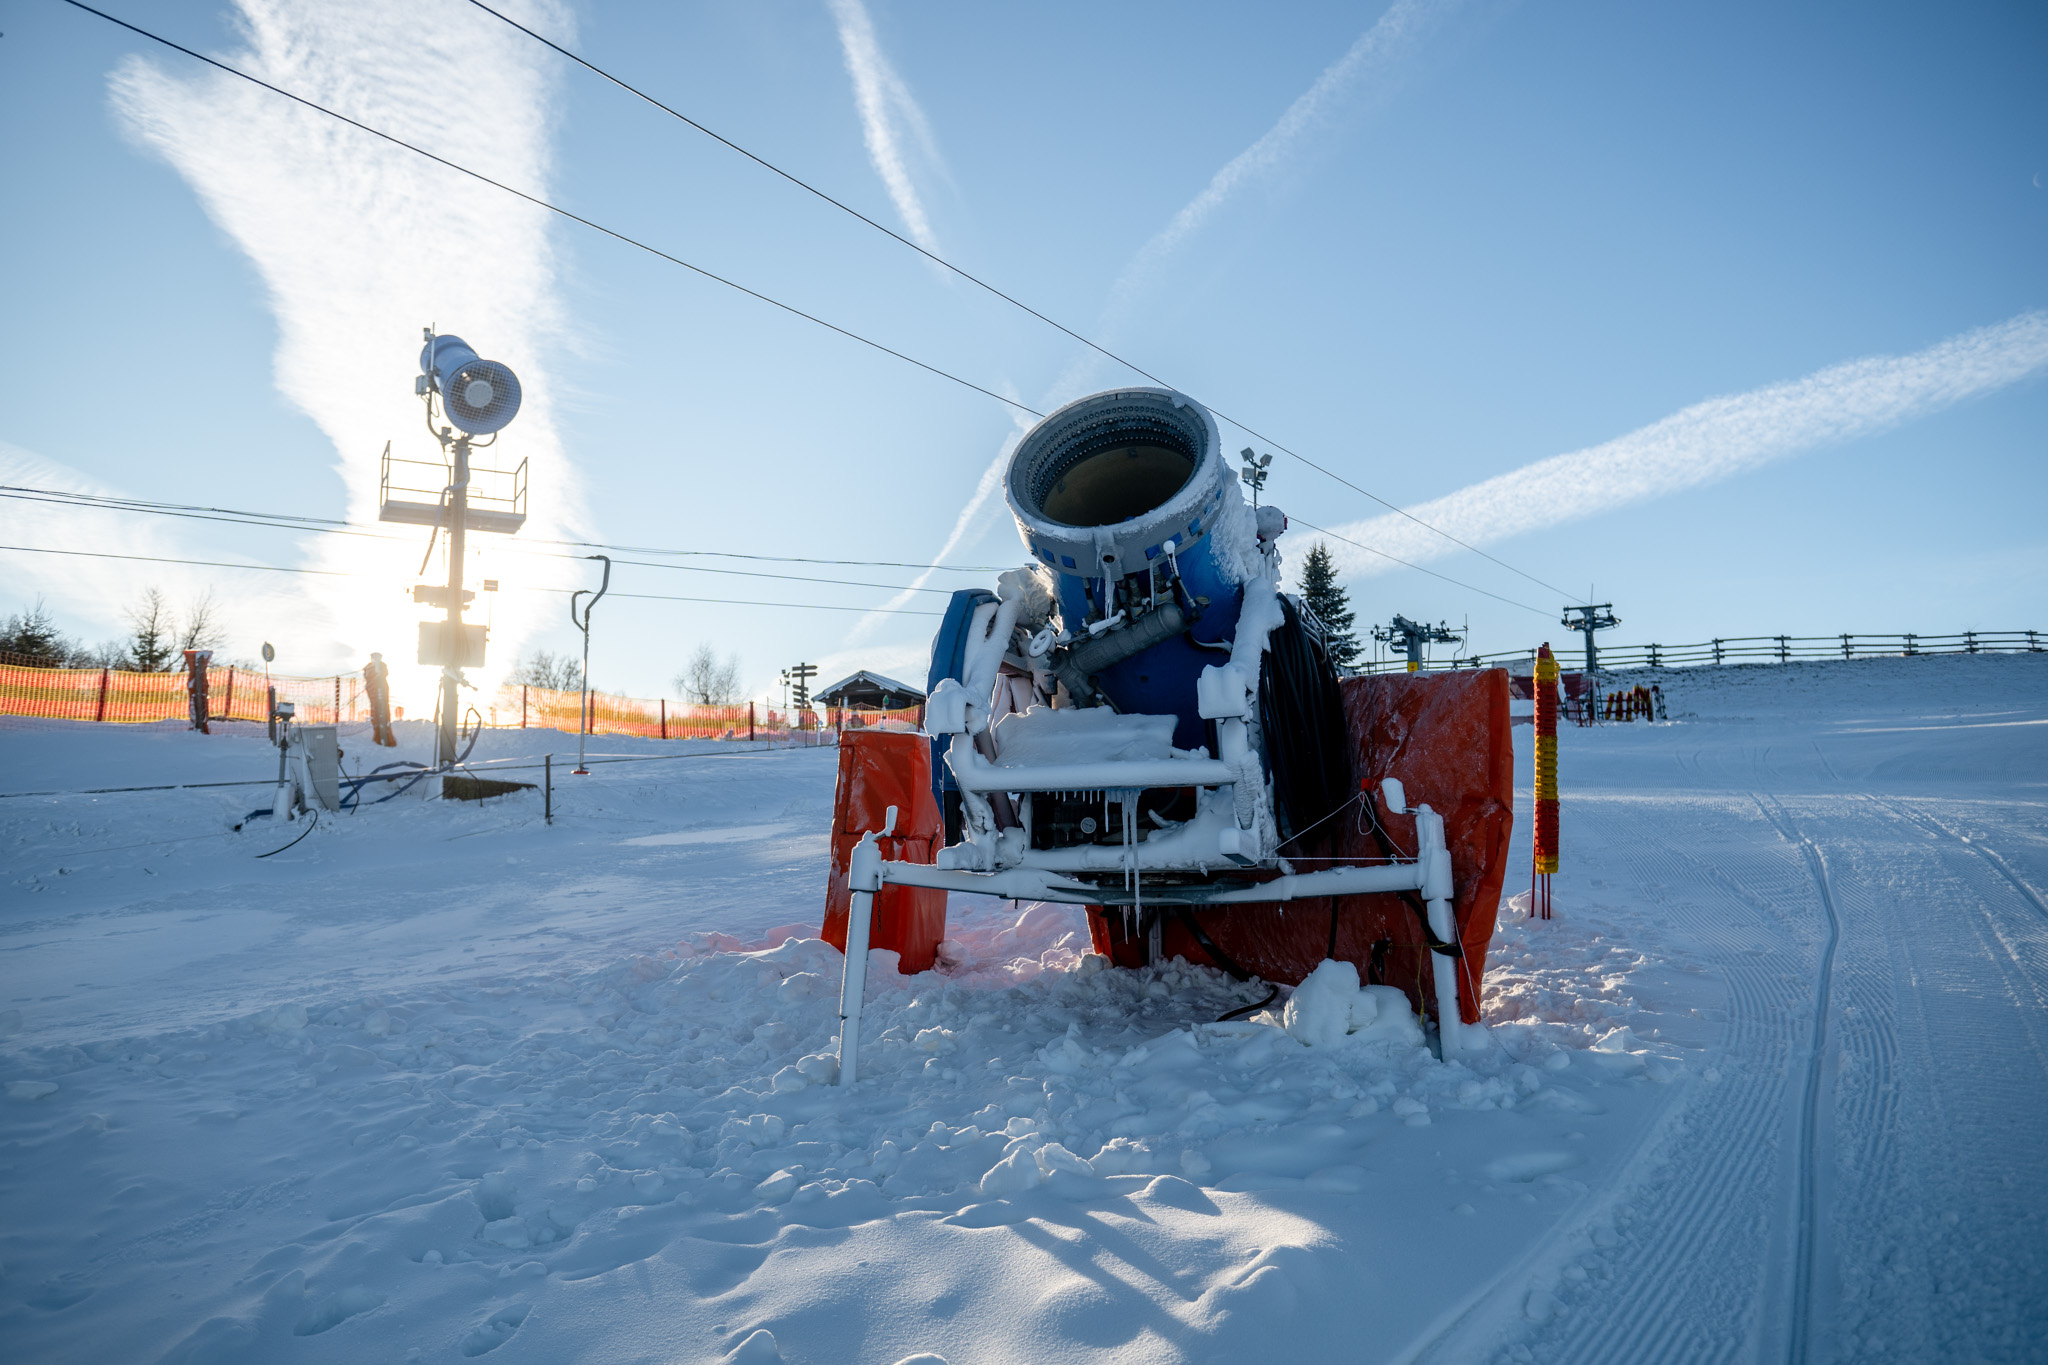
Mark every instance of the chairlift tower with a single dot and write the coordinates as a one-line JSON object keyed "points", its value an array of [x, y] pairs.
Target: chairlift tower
{"points": [[479, 398], [799, 676], [1412, 636], [1586, 620]]}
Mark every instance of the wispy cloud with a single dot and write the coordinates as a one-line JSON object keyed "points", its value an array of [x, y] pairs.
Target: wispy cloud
{"points": [[1711, 441], [90, 595], [1368, 72], [889, 117], [359, 243]]}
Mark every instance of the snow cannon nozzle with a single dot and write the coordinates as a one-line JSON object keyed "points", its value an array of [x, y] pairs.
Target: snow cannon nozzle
{"points": [[1124, 484], [480, 396]]}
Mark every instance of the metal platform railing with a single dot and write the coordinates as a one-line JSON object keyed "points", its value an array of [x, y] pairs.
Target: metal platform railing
{"points": [[415, 492]]}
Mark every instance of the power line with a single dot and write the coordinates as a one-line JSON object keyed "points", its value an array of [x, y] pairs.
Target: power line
{"points": [[1418, 568], [343, 574], [539, 202], [741, 602], [1393, 508], [159, 559], [289, 521], [752, 573], [764, 298], [977, 281]]}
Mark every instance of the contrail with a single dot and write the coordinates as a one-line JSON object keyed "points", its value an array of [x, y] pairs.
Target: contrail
{"points": [[359, 244], [1369, 71], [1372, 58], [1711, 441], [887, 109]]}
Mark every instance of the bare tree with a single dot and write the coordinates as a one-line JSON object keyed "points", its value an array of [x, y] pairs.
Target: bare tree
{"points": [[708, 681], [153, 633], [106, 654], [557, 672], [203, 628]]}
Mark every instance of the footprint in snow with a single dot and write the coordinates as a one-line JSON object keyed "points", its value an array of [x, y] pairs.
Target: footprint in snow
{"points": [[494, 1331], [336, 1309], [758, 1348]]}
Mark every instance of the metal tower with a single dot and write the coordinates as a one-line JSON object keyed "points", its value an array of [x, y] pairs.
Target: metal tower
{"points": [[1587, 620], [1412, 636]]}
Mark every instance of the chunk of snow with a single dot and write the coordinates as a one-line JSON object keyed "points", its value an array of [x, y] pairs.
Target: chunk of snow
{"points": [[1043, 736], [779, 1186], [1014, 1174], [288, 1018], [1319, 1011], [1052, 1158], [30, 1090], [507, 1232]]}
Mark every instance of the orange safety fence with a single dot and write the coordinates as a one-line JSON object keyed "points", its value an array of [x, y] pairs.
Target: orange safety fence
{"points": [[544, 708], [121, 697], [236, 693], [869, 718]]}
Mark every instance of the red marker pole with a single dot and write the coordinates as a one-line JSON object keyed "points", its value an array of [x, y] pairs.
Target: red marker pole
{"points": [[1546, 783]]}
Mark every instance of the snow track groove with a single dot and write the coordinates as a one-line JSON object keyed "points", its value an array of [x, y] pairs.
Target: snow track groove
{"points": [[1799, 1327], [1933, 1259], [1885, 984], [1686, 1267]]}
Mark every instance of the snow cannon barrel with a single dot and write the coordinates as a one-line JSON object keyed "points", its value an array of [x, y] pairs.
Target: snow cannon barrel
{"points": [[1125, 496]]}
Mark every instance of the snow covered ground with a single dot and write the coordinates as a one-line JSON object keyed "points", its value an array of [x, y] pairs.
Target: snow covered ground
{"points": [[441, 1081]]}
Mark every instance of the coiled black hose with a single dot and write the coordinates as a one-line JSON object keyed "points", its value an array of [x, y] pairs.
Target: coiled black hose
{"points": [[1301, 715]]}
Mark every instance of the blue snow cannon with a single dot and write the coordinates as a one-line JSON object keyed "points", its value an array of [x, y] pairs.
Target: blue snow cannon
{"points": [[1125, 496], [480, 396]]}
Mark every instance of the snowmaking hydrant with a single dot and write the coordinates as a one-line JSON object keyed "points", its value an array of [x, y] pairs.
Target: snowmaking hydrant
{"points": [[1142, 722]]}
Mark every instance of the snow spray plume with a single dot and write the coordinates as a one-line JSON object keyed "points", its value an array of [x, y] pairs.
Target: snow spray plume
{"points": [[1710, 441], [360, 243]]}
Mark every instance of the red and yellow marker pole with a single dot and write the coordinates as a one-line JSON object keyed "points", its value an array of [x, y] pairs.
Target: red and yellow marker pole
{"points": [[1546, 783]]}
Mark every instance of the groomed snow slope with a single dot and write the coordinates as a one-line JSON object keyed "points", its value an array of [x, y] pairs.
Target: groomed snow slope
{"points": [[441, 1081]]}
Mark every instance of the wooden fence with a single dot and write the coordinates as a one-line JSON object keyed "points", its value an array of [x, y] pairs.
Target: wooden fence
{"points": [[1774, 649]]}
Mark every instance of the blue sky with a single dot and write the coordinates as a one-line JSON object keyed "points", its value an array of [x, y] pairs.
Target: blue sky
{"points": [[1487, 235]]}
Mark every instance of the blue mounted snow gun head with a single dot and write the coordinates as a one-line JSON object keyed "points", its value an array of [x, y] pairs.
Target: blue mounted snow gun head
{"points": [[1125, 496], [480, 396]]}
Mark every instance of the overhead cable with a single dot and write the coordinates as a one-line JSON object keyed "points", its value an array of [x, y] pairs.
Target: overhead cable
{"points": [[980, 283], [159, 559], [616, 235], [1417, 567], [738, 602], [342, 573], [289, 521], [539, 202]]}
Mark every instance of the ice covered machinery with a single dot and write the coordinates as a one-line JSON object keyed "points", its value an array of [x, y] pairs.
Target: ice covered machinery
{"points": [[1141, 721]]}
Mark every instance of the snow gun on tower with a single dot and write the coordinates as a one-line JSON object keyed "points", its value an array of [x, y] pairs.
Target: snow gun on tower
{"points": [[1142, 722]]}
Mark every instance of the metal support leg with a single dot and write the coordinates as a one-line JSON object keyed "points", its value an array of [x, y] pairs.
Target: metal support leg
{"points": [[864, 876], [1436, 893]]}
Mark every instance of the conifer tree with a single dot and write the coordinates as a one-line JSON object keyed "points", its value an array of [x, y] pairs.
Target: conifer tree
{"points": [[1330, 603], [153, 633]]}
